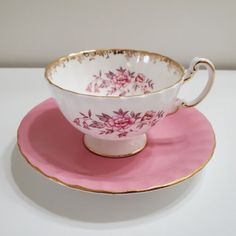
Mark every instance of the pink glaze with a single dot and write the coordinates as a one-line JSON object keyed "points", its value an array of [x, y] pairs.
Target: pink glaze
{"points": [[177, 147]]}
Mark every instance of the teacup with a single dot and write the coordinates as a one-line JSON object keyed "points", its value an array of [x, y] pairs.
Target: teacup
{"points": [[114, 96]]}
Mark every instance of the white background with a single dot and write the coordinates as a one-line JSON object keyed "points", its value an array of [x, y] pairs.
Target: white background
{"points": [[35, 32], [30, 204]]}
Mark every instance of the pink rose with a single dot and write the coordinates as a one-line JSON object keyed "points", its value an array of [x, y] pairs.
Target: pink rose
{"points": [[121, 79], [139, 78], [77, 121], [85, 125], [148, 115], [120, 122]]}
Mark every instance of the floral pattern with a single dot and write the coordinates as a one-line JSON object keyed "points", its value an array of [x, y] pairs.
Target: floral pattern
{"points": [[119, 123], [120, 83]]}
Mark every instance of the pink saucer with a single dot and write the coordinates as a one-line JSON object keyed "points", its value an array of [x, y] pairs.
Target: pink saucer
{"points": [[178, 147]]}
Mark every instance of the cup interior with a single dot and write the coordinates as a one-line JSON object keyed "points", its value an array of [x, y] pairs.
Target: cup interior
{"points": [[114, 72]]}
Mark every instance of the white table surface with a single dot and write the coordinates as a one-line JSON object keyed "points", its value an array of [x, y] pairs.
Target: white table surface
{"points": [[30, 204]]}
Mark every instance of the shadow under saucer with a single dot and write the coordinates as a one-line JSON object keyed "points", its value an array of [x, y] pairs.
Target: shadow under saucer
{"points": [[95, 207]]}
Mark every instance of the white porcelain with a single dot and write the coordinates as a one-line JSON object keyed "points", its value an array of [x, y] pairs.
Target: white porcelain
{"points": [[115, 96]]}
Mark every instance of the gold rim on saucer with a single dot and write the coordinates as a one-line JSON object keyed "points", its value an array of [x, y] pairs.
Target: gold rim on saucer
{"points": [[111, 192]]}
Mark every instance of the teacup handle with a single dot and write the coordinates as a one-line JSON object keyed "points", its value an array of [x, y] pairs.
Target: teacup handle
{"points": [[189, 73]]}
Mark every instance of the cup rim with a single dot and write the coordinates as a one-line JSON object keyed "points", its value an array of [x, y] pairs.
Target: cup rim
{"points": [[104, 52]]}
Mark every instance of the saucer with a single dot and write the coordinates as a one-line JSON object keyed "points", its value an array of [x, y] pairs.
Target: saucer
{"points": [[177, 148]]}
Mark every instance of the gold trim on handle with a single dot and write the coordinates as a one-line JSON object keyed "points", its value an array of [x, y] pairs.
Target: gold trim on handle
{"points": [[190, 72]]}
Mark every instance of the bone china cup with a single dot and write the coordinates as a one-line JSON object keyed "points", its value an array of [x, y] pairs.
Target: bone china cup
{"points": [[114, 96]]}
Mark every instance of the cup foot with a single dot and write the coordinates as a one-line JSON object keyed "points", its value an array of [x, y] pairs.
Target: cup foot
{"points": [[114, 148]]}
